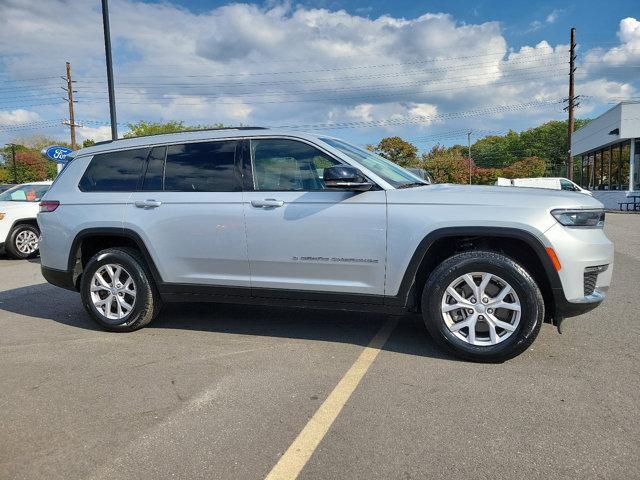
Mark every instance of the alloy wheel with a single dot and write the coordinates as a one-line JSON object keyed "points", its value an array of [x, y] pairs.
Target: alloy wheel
{"points": [[27, 242], [481, 309], [113, 292]]}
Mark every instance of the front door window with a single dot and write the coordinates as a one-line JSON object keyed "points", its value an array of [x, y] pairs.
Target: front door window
{"points": [[288, 165]]}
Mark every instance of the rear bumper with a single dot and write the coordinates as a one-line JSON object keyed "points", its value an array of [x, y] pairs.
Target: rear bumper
{"points": [[59, 278]]}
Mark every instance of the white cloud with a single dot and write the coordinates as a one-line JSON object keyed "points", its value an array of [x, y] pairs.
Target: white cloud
{"points": [[18, 116], [553, 16], [97, 134]]}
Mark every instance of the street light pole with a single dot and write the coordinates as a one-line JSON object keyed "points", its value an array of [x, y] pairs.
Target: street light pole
{"points": [[107, 49]]}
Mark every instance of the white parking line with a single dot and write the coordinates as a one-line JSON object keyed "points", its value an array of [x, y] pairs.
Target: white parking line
{"points": [[297, 455]]}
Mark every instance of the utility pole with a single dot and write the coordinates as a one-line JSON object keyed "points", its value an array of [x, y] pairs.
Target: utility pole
{"points": [[71, 122], [469, 146], [571, 99], [107, 49]]}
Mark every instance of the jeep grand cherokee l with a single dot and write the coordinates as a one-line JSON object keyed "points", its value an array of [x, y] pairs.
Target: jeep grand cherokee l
{"points": [[261, 216]]}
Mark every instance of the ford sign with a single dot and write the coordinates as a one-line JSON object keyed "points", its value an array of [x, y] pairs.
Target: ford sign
{"points": [[57, 153]]}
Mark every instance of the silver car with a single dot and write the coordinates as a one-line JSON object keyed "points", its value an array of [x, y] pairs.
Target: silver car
{"points": [[261, 216]]}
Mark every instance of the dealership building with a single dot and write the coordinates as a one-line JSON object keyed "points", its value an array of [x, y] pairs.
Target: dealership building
{"points": [[608, 151]]}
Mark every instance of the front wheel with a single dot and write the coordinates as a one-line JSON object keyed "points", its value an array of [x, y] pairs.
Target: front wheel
{"points": [[482, 306]]}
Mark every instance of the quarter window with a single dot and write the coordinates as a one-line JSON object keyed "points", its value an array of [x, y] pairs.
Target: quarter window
{"points": [[202, 167], [282, 164], [114, 171]]}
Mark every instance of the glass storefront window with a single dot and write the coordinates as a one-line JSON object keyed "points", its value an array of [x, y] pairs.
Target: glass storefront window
{"points": [[625, 153], [636, 166], [615, 167], [597, 165], [605, 169], [590, 171]]}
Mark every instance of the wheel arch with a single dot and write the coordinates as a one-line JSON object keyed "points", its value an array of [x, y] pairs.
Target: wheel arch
{"points": [[523, 246], [25, 221], [89, 241]]}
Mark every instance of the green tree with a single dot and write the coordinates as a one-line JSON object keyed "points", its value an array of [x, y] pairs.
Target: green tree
{"points": [[143, 128], [498, 151], [31, 164], [525, 168], [398, 151], [38, 142], [549, 142], [446, 165]]}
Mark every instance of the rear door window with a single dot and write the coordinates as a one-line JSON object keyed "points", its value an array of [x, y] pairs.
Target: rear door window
{"points": [[114, 171], [202, 167], [154, 176]]}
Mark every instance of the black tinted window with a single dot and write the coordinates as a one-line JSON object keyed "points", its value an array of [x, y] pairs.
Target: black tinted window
{"points": [[155, 169], [114, 171], [202, 167]]}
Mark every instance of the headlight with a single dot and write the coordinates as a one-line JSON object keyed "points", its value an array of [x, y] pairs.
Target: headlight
{"points": [[580, 218]]}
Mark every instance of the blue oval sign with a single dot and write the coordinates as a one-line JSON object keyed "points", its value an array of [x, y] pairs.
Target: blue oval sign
{"points": [[57, 153]]}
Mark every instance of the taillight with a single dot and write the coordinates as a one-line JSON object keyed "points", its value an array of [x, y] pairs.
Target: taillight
{"points": [[48, 205]]}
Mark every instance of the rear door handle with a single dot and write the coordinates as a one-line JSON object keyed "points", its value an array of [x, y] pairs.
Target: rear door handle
{"points": [[147, 203], [267, 203]]}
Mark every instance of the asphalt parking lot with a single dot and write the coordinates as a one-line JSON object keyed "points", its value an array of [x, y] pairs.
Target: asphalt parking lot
{"points": [[219, 391]]}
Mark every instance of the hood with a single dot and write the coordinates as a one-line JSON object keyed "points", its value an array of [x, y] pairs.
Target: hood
{"points": [[492, 196]]}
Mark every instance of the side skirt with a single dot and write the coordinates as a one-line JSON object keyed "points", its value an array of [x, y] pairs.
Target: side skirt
{"points": [[172, 293]]}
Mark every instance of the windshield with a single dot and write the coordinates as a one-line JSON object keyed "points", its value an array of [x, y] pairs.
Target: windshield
{"points": [[390, 172], [24, 193]]}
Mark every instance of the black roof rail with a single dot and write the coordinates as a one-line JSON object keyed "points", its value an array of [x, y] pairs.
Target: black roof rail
{"points": [[104, 142]]}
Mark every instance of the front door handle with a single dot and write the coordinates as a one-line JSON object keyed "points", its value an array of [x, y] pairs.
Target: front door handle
{"points": [[147, 203], [267, 203]]}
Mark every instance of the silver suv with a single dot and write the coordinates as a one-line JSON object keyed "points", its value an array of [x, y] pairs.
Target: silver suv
{"points": [[251, 215]]}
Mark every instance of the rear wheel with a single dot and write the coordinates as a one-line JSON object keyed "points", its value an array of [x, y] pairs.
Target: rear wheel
{"points": [[482, 306], [117, 290], [22, 242]]}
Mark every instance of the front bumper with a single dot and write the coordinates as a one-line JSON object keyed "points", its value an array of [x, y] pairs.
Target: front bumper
{"points": [[579, 251], [566, 309]]}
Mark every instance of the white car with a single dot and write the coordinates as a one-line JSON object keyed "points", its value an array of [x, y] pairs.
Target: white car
{"points": [[19, 230], [554, 183]]}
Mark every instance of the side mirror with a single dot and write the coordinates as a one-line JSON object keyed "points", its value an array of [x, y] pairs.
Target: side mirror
{"points": [[346, 177]]}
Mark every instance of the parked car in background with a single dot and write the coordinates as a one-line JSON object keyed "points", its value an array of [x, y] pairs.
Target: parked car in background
{"points": [[554, 183], [19, 232], [263, 216]]}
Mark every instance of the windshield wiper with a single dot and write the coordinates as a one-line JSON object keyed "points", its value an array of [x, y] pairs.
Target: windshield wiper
{"points": [[413, 184]]}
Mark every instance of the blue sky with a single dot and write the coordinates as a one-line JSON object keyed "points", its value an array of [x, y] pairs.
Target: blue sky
{"points": [[518, 17], [427, 71]]}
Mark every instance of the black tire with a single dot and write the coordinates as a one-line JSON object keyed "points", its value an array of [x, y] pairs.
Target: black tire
{"points": [[147, 303], [11, 245], [531, 301]]}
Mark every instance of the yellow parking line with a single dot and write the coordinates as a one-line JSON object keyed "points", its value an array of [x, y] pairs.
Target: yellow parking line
{"points": [[298, 454]]}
